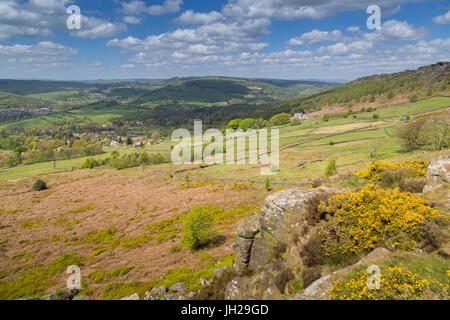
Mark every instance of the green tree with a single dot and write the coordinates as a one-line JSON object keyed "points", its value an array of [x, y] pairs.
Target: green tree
{"points": [[156, 135], [280, 119], [247, 124], [331, 168], [198, 231], [234, 124]]}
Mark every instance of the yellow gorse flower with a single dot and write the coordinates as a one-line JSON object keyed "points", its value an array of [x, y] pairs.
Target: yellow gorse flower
{"points": [[372, 215], [373, 172], [395, 283]]}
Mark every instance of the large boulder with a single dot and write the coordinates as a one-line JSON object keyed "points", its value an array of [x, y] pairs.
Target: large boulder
{"points": [[438, 173], [283, 215]]}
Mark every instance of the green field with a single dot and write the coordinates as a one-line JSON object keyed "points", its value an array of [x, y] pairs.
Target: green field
{"points": [[345, 139]]}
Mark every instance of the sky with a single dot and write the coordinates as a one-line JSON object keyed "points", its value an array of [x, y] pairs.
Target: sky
{"points": [[159, 39]]}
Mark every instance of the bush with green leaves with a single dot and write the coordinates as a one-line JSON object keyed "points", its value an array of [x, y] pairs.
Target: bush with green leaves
{"points": [[40, 185], [198, 230], [331, 168]]}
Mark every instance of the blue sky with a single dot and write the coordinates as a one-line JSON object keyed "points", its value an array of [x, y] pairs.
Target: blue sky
{"points": [[291, 39]]}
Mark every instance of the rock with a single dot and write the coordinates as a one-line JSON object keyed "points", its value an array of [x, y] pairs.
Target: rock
{"points": [[190, 295], [81, 298], [68, 294], [282, 215], [249, 228], [178, 288], [262, 250], [319, 289], [205, 283], [236, 288], [28, 299], [169, 297], [134, 296], [158, 291], [50, 296], [438, 173], [219, 272]]}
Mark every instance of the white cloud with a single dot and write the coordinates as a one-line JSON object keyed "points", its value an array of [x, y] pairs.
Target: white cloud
{"points": [[42, 55], [132, 20], [35, 18], [93, 28], [303, 9], [136, 7], [401, 30], [353, 29], [444, 19], [191, 17], [315, 36]]}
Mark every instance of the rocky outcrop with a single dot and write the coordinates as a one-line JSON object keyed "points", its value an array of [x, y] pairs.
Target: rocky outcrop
{"points": [[438, 173], [319, 289], [282, 216], [280, 227]]}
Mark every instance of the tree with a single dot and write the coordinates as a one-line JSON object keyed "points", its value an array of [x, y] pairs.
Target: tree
{"points": [[409, 133], [198, 229], [129, 141], [247, 124], [331, 168], [156, 135], [234, 124], [280, 119]]}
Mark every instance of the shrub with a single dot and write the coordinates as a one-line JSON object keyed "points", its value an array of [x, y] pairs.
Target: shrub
{"points": [[396, 283], [370, 217], [198, 229], [331, 168], [267, 184], [283, 278], [412, 185], [90, 163], [40, 185], [373, 172]]}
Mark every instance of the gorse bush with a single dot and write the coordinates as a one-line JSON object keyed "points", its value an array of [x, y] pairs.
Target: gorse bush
{"points": [[396, 283], [371, 217], [198, 231], [418, 168]]}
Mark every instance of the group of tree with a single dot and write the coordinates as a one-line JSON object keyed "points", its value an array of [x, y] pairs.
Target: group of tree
{"points": [[115, 160], [432, 132]]}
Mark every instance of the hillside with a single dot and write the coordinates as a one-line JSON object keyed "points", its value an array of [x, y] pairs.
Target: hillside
{"points": [[227, 91], [377, 90]]}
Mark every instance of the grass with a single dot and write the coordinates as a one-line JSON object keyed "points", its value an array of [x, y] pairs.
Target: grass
{"points": [[33, 280], [188, 276]]}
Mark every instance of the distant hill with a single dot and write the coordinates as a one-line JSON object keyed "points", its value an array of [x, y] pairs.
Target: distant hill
{"points": [[411, 84], [225, 90]]}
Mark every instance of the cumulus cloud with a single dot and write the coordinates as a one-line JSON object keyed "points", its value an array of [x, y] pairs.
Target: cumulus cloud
{"points": [[353, 29], [35, 18], [132, 20], [137, 7], [97, 28], [191, 17], [303, 9], [444, 19], [315, 36], [43, 54]]}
